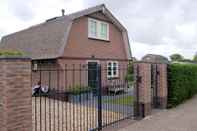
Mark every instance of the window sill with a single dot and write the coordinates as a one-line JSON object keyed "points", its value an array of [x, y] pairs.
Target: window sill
{"points": [[112, 78], [98, 39]]}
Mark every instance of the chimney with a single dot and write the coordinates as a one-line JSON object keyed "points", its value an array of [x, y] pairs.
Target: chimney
{"points": [[63, 12]]}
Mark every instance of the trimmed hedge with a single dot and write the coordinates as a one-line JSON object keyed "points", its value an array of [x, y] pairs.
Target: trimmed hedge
{"points": [[10, 53], [182, 83]]}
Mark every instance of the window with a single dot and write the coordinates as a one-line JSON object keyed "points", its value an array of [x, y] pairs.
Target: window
{"points": [[103, 32], [93, 28], [112, 69], [98, 29]]}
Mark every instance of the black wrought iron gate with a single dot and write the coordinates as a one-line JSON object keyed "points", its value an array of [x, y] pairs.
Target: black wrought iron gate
{"points": [[154, 84], [63, 100]]}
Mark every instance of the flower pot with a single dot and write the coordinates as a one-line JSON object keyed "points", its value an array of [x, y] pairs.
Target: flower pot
{"points": [[76, 98]]}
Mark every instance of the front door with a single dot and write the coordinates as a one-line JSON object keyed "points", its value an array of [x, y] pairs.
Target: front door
{"points": [[92, 75]]}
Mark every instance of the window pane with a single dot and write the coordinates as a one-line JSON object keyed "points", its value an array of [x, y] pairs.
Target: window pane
{"points": [[115, 69], [109, 69], [115, 64], [109, 64], [103, 32], [93, 28], [109, 73], [114, 73]]}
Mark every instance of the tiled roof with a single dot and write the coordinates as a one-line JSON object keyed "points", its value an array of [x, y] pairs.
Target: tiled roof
{"points": [[48, 40]]}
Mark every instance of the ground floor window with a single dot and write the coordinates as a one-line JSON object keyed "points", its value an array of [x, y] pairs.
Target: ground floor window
{"points": [[112, 69]]}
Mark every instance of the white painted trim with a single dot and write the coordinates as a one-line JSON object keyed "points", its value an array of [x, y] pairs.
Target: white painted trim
{"points": [[117, 69], [89, 28], [107, 30], [98, 27], [97, 61]]}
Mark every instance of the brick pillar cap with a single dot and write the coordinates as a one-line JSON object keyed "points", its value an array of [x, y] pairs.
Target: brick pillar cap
{"points": [[150, 62], [15, 58]]}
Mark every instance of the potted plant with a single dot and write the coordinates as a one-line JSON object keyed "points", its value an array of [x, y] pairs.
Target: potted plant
{"points": [[80, 93]]}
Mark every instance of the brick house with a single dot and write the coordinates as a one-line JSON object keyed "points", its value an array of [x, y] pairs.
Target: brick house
{"points": [[154, 58], [89, 37]]}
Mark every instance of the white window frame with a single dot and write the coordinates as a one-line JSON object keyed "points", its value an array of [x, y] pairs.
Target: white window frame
{"points": [[90, 35], [112, 69], [98, 31]]}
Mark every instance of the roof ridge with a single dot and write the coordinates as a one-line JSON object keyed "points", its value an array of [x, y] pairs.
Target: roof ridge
{"points": [[53, 20], [46, 39], [35, 26], [89, 8]]}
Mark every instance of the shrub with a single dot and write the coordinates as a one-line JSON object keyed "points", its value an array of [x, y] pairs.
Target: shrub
{"points": [[77, 90], [182, 83], [129, 76], [10, 53]]}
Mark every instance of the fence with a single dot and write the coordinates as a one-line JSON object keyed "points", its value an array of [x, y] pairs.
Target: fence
{"points": [[80, 97]]}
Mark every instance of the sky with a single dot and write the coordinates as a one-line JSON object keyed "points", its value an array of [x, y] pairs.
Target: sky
{"points": [[160, 27]]}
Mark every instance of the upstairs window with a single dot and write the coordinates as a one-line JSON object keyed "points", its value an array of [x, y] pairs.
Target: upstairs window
{"points": [[112, 69], [93, 28], [103, 32], [98, 29]]}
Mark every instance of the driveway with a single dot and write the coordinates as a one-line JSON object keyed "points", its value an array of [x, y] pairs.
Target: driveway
{"points": [[181, 118], [123, 109]]}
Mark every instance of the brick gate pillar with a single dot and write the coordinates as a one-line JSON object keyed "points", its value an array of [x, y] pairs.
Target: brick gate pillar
{"points": [[142, 89], [15, 94], [162, 86]]}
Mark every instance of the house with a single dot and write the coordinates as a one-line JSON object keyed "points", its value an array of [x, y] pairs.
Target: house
{"points": [[89, 37], [153, 58]]}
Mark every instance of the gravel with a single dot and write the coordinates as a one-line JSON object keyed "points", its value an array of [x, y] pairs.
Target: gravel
{"points": [[56, 115]]}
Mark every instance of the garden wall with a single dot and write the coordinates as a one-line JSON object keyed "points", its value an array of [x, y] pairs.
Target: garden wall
{"points": [[15, 94]]}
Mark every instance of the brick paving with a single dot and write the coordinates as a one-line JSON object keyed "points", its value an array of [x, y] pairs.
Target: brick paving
{"points": [[181, 118]]}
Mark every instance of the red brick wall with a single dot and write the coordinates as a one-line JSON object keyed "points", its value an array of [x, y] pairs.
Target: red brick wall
{"points": [[68, 78], [162, 85], [143, 87], [79, 45], [84, 72], [15, 94]]}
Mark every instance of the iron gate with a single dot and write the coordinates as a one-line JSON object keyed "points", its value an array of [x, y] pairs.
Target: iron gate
{"points": [[154, 84], [67, 100]]}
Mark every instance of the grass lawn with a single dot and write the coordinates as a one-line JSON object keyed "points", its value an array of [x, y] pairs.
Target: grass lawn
{"points": [[125, 100]]}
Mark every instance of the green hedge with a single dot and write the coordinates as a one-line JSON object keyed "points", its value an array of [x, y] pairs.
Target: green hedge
{"points": [[182, 83], [10, 53]]}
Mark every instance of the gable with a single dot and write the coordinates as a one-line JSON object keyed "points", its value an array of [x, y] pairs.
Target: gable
{"points": [[48, 40], [79, 45], [100, 16]]}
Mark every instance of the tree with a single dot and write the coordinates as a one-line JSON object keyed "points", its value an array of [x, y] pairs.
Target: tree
{"points": [[195, 57], [176, 57], [130, 77]]}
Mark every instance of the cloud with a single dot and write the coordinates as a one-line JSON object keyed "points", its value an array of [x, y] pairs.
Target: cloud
{"points": [[21, 14], [154, 26], [22, 9], [1, 33]]}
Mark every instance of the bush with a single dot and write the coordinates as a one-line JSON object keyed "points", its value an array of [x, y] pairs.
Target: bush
{"points": [[10, 53], [129, 76], [182, 83], [77, 90]]}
